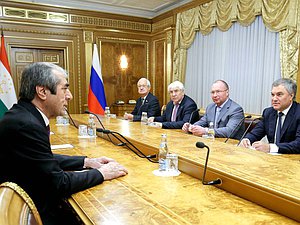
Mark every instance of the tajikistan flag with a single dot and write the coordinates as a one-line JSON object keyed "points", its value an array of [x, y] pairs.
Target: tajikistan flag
{"points": [[7, 91]]}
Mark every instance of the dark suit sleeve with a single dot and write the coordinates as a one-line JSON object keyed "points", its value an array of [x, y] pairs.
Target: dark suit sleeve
{"points": [[259, 131], [151, 106], [37, 155], [67, 162], [187, 108]]}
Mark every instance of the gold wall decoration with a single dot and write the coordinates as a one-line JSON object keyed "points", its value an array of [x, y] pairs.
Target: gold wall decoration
{"points": [[51, 58], [35, 14], [24, 57], [110, 23], [161, 25], [88, 36]]}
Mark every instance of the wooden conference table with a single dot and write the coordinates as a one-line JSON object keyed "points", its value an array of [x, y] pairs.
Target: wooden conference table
{"points": [[250, 180]]}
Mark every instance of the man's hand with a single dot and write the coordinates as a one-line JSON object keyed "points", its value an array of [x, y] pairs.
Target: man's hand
{"points": [[261, 146], [245, 143], [112, 170], [197, 130], [96, 163]]}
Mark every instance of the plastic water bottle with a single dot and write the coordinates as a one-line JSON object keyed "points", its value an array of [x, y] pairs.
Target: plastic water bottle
{"points": [[65, 119], [211, 131], [91, 128], [163, 151], [107, 112], [144, 118]]}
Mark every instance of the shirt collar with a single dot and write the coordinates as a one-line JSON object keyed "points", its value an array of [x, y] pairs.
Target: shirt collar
{"points": [[221, 106], [285, 112], [46, 120]]}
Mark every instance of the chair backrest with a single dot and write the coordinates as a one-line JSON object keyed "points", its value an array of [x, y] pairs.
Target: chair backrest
{"points": [[163, 109], [16, 207]]}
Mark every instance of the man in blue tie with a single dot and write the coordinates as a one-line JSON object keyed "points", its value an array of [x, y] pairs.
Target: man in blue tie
{"points": [[225, 114], [280, 123]]}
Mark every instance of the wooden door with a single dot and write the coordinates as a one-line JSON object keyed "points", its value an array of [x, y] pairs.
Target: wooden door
{"points": [[20, 57]]}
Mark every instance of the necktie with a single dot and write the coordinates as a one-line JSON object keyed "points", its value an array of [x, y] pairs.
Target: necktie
{"points": [[142, 101], [173, 118], [278, 131], [218, 109]]}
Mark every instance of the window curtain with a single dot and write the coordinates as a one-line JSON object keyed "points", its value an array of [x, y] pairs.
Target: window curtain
{"points": [[278, 16], [247, 58]]}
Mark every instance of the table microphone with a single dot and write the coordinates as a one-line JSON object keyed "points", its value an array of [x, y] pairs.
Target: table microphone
{"points": [[244, 134], [88, 112], [197, 110], [213, 182], [73, 122], [238, 126]]}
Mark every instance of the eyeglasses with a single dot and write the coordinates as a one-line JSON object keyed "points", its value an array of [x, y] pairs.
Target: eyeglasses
{"points": [[142, 85], [217, 92]]}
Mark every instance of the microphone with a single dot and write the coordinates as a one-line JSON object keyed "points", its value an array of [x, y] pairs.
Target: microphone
{"points": [[213, 182], [246, 131], [197, 110], [127, 143], [238, 126], [75, 125], [88, 112]]}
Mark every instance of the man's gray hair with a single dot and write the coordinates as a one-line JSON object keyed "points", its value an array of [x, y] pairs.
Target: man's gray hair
{"points": [[176, 84], [288, 84], [39, 74]]}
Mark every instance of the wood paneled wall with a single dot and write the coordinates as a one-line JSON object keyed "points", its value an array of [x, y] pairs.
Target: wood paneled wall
{"points": [[143, 41]]}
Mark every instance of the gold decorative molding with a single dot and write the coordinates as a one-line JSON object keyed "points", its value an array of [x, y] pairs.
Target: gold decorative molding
{"points": [[88, 36], [24, 57], [35, 14], [161, 25], [111, 23]]}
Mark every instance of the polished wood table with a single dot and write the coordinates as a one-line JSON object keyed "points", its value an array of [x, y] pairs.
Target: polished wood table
{"points": [[143, 198]]}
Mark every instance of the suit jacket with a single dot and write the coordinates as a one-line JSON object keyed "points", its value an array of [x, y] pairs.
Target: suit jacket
{"points": [[27, 159], [230, 116], [186, 107], [151, 106], [290, 131]]}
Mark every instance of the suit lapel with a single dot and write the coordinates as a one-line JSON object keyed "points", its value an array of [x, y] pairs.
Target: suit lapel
{"points": [[223, 111], [288, 120], [272, 124]]}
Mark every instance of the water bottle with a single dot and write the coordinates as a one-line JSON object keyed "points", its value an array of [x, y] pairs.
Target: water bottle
{"points": [[65, 119], [91, 128], [107, 112], [211, 131], [144, 118], [163, 151]]}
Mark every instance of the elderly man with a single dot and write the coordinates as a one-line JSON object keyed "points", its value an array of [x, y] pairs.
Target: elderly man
{"points": [[280, 123], [178, 110], [48, 178], [146, 103], [225, 114]]}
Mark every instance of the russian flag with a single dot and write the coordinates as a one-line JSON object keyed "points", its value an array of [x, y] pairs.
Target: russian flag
{"points": [[96, 96]]}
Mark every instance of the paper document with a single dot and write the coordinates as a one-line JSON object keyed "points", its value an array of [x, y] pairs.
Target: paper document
{"points": [[53, 147]]}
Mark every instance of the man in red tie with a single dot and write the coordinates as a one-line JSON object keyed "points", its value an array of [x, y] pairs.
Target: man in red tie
{"points": [[178, 110]]}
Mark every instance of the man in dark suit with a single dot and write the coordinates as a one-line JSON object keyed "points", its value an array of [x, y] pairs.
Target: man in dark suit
{"points": [[178, 110], [146, 103], [26, 156], [280, 123], [225, 114]]}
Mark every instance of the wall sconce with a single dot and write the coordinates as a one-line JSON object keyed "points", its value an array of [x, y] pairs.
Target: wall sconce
{"points": [[123, 62]]}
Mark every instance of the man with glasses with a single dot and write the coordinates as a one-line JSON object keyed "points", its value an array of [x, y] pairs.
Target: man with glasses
{"points": [[146, 103], [178, 110], [225, 114], [280, 123]]}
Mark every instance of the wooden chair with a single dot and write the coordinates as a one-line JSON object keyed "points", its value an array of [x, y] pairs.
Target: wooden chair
{"points": [[163, 109], [16, 207]]}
